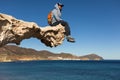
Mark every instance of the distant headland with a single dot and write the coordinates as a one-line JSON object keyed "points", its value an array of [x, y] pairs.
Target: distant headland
{"points": [[11, 53]]}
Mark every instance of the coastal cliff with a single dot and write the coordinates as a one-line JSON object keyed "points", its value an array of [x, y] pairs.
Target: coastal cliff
{"points": [[10, 53]]}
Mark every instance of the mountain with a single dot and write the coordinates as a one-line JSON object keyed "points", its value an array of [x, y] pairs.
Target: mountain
{"points": [[10, 53], [91, 57]]}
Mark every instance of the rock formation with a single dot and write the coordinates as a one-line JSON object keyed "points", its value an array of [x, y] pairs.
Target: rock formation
{"points": [[13, 30]]}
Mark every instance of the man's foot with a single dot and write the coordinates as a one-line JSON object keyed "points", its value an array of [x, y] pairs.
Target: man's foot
{"points": [[70, 39]]}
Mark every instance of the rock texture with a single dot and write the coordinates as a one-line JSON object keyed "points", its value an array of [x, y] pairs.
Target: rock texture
{"points": [[13, 30], [11, 53]]}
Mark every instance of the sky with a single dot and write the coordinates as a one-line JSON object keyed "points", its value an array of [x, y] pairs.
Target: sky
{"points": [[95, 24]]}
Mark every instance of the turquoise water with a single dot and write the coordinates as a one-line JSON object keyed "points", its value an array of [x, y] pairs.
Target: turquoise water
{"points": [[61, 70]]}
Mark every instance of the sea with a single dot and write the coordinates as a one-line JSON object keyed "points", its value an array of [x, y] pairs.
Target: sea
{"points": [[60, 70]]}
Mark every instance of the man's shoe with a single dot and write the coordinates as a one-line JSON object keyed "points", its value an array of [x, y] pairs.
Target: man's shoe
{"points": [[70, 39]]}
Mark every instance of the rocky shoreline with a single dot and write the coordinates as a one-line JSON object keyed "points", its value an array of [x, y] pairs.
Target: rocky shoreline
{"points": [[12, 53]]}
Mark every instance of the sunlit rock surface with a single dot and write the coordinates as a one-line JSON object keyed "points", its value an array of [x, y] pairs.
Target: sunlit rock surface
{"points": [[13, 30]]}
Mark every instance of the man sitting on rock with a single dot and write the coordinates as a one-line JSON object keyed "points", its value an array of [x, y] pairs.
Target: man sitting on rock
{"points": [[54, 18]]}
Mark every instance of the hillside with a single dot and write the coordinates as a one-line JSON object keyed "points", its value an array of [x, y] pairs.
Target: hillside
{"points": [[14, 53]]}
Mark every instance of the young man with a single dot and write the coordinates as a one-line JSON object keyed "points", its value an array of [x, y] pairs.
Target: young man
{"points": [[56, 19]]}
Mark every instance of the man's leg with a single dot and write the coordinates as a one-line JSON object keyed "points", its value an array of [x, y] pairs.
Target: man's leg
{"points": [[56, 23], [65, 24], [67, 31], [67, 28]]}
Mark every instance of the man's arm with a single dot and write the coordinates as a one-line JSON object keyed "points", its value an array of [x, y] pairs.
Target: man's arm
{"points": [[55, 15]]}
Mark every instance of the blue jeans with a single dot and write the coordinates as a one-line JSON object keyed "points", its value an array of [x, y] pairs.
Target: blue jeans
{"points": [[65, 24]]}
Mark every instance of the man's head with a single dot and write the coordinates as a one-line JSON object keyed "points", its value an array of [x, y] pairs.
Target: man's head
{"points": [[60, 6]]}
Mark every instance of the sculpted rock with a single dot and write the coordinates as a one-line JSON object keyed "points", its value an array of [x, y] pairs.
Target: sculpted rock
{"points": [[13, 30]]}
